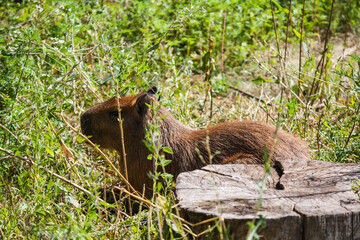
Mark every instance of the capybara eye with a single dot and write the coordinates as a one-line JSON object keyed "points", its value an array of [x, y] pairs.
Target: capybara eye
{"points": [[114, 113]]}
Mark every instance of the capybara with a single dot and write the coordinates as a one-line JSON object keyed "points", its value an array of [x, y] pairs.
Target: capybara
{"points": [[229, 142]]}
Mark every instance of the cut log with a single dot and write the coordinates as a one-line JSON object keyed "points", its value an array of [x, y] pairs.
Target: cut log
{"points": [[303, 199]]}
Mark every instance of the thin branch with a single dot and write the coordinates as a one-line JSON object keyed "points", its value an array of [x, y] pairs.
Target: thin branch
{"points": [[248, 94], [10, 133], [275, 29], [32, 163], [288, 88], [301, 38], [201, 50], [327, 35], [282, 68], [123, 153], [78, 62], [102, 154], [287, 33], [352, 127], [222, 42], [147, 202], [322, 60]]}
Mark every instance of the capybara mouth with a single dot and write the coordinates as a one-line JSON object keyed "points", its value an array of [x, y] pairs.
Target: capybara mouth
{"points": [[85, 121]]}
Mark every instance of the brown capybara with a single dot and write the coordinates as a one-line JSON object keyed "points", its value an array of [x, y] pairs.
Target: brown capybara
{"points": [[229, 142]]}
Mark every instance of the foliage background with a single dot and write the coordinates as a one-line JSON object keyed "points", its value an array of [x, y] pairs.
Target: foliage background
{"points": [[60, 57]]}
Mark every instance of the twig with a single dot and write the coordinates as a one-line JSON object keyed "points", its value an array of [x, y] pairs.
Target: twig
{"points": [[32, 163], [147, 202], [73, 67], [289, 89], [322, 60], [301, 38], [327, 36], [352, 128], [208, 73], [222, 42], [78, 62], [102, 154], [247, 94], [10, 133], [282, 68], [174, 215], [276, 37], [123, 153], [287, 33]]}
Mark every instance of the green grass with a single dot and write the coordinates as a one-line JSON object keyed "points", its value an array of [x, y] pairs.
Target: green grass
{"points": [[59, 58]]}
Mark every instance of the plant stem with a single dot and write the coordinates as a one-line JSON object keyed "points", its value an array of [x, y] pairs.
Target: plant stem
{"points": [[282, 69], [274, 22], [32, 163], [287, 32], [352, 127], [222, 42], [327, 35], [315, 84], [300, 47]]}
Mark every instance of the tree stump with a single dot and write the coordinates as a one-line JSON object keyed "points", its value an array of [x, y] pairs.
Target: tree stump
{"points": [[303, 199]]}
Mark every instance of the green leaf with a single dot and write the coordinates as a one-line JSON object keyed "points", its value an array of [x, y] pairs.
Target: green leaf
{"points": [[107, 204], [297, 33], [41, 212], [260, 80], [80, 139], [165, 162], [17, 152], [168, 150], [152, 48], [50, 184], [166, 175], [51, 152], [159, 186], [72, 200], [278, 6]]}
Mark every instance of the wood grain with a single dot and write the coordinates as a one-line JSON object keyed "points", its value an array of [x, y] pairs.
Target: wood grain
{"points": [[316, 201]]}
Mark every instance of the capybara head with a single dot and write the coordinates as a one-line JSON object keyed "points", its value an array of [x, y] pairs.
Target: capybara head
{"points": [[101, 122]]}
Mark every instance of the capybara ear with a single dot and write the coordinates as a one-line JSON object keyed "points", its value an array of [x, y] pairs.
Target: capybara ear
{"points": [[142, 103], [152, 91]]}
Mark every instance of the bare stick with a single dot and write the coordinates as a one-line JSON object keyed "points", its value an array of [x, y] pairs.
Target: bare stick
{"points": [[287, 33], [301, 38], [78, 62], [123, 153], [10, 133], [276, 37], [208, 74], [200, 46], [327, 34], [248, 94], [32, 163], [327, 38], [322, 60], [222, 42], [352, 127], [282, 68], [102, 154], [74, 66]]}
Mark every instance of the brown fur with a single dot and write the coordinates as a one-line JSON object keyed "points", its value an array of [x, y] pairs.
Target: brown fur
{"points": [[230, 142]]}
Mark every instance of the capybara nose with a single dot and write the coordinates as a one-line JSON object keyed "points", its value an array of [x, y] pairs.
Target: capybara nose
{"points": [[85, 121]]}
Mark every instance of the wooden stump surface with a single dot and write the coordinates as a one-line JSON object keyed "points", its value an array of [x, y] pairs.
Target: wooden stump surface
{"points": [[303, 199]]}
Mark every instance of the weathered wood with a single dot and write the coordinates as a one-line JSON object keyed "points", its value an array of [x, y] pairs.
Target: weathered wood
{"points": [[316, 203]]}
